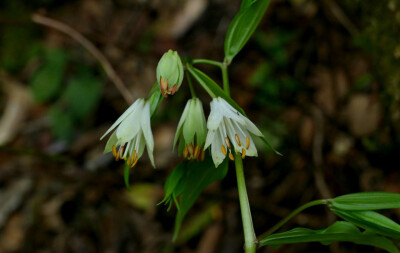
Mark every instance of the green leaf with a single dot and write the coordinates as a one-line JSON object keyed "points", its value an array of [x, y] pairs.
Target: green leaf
{"points": [[193, 178], [243, 26], [212, 88], [366, 201], [246, 3], [372, 221], [61, 123], [339, 231], [46, 82], [82, 95]]}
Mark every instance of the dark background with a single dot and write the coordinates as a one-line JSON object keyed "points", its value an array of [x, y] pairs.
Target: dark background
{"points": [[319, 78]]}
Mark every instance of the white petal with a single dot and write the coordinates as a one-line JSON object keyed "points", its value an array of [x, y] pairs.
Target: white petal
{"points": [[130, 126], [146, 129], [216, 152], [216, 114], [123, 116], [252, 151], [252, 128], [230, 112], [210, 138]]}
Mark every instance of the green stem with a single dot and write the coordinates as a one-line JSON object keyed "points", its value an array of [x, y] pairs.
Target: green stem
{"points": [[191, 86], [248, 229], [225, 80], [292, 214], [206, 61]]}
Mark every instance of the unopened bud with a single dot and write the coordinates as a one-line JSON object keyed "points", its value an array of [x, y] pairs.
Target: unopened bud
{"points": [[170, 73]]}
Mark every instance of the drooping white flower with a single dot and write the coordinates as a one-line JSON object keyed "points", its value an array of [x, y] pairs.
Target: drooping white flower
{"points": [[227, 126], [132, 134], [192, 131]]}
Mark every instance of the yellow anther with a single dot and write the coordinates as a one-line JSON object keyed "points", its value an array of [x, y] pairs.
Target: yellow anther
{"points": [[114, 151], [185, 151], [231, 156], [223, 149], [129, 161], [243, 153], [134, 163], [247, 142], [202, 155], [190, 149], [227, 143], [121, 151], [238, 140], [133, 155], [196, 152]]}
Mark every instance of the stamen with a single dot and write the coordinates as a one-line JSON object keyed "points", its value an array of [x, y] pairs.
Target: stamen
{"points": [[133, 156], [196, 152], [247, 142], [191, 149], [134, 163], [185, 151], [202, 155], [243, 153], [231, 156], [114, 151], [121, 151], [227, 143], [223, 149], [238, 140], [129, 161]]}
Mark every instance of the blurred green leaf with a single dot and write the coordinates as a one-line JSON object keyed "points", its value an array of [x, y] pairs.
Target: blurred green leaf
{"points": [[339, 231], [212, 88], [372, 221], [61, 123], [246, 3], [46, 82], [82, 95], [187, 181], [367, 201], [243, 25]]}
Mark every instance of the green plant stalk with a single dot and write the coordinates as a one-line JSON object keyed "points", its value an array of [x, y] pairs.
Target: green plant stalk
{"points": [[191, 86], [225, 79], [292, 214], [250, 240], [248, 228], [209, 62]]}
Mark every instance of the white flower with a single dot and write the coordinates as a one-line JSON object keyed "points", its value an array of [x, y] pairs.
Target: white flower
{"points": [[132, 134], [227, 126], [192, 131]]}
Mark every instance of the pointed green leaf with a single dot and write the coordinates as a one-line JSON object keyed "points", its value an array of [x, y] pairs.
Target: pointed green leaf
{"points": [[367, 201], [243, 26], [198, 176], [372, 221], [339, 231], [212, 88], [246, 3], [46, 81]]}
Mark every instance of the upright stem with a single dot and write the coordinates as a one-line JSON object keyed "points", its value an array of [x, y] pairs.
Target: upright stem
{"points": [[248, 229], [225, 80], [191, 86], [250, 240]]}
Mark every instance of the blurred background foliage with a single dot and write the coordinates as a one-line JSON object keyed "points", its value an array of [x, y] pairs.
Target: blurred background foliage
{"points": [[320, 78]]}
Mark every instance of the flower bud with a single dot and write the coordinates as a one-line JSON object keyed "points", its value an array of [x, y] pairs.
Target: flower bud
{"points": [[170, 73]]}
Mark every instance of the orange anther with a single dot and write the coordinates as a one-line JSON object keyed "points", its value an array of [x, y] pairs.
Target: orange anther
{"points": [[238, 140], [247, 142], [223, 149]]}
